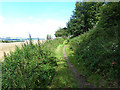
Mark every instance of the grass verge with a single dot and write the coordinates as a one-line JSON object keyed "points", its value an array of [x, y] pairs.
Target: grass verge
{"points": [[63, 77], [94, 79]]}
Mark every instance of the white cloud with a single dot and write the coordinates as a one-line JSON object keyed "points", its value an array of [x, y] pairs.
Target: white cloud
{"points": [[30, 17], [51, 25], [1, 19], [38, 20], [38, 28]]}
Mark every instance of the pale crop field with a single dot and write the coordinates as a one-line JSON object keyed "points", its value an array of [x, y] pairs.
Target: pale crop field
{"points": [[7, 47]]}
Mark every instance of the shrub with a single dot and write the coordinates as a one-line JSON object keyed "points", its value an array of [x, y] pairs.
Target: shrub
{"points": [[28, 67]]}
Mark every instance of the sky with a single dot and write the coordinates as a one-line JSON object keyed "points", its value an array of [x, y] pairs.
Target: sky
{"points": [[19, 19]]}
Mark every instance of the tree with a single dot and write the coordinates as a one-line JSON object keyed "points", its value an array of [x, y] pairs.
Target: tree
{"points": [[85, 16], [61, 32]]}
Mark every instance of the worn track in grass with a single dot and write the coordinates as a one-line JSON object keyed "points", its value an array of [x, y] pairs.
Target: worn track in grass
{"points": [[81, 80]]}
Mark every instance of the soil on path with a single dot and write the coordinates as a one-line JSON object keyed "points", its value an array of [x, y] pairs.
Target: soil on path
{"points": [[81, 80]]}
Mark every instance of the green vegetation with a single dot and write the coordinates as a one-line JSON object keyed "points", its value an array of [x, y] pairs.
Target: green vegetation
{"points": [[93, 49], [96, 52], [63, 77], [85, 16], [37, 66], [48, 37], [61, 32], [94, 79], [32, 66], [51, 45]]}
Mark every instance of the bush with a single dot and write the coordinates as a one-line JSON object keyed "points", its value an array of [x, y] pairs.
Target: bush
{"points": [[28, 67]]}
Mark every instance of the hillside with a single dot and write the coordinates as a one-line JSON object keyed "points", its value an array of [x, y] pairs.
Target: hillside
{"points": [[96, 52]]}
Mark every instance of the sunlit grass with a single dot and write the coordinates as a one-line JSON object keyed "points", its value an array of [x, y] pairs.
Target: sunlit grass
{"points": [[64, 77]]}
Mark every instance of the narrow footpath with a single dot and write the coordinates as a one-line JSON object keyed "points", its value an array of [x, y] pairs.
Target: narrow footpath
{"points": [[81, 80]]}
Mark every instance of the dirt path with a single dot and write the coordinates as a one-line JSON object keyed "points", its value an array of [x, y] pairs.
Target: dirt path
{"points": [[80, 78]]}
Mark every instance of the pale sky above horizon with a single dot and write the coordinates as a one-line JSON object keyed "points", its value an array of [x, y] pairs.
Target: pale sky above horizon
{"points": [[18, 19]]}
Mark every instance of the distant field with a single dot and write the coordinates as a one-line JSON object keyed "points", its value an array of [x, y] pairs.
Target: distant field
{"points": [[6, 47]]}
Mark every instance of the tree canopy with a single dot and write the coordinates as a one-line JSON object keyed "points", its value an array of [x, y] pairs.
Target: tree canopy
{"points": [[61, 32], [85, 16]]}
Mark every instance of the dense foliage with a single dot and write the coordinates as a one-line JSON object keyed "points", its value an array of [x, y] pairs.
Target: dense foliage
{"points": [[99, 49], [61, 32], [31, 66], [85, 16]]}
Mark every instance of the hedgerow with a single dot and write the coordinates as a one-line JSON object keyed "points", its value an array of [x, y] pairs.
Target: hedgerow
{"points": [[31, 66]]}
